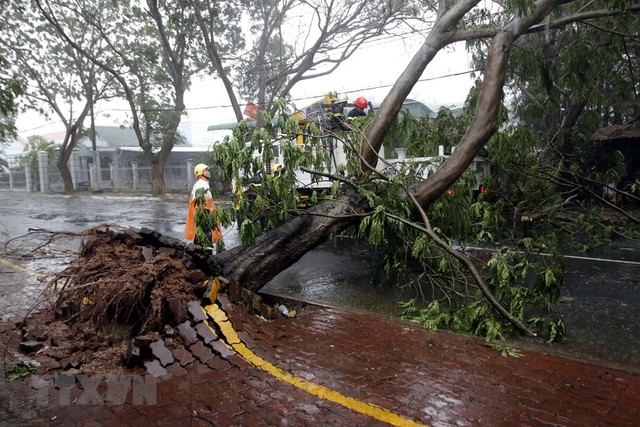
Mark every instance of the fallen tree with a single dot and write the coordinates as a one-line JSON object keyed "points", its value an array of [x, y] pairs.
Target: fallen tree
{"points": [[383, 209], [255, 265], [362, 207]]}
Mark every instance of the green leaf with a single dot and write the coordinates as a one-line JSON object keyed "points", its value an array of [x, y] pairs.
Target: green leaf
{"points": [[20, 370]]}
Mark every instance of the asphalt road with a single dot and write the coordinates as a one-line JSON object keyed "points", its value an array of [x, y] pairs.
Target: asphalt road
{"points": [[601, 305]]}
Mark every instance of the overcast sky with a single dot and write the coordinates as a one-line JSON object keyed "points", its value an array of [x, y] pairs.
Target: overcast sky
{"points": [[370, 73]]}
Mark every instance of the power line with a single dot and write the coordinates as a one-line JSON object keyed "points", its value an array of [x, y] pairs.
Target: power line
{"points": [[443, 76], [214, 107]]}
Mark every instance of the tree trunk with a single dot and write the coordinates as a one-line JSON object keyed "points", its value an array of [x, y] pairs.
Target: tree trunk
{"points": [[159, 160], [63, 167], [157, 177], [278, 249], [69, 144], [439, 37]]}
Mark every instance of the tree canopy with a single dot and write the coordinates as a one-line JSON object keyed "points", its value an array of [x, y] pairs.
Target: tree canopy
{"points": [[10, 89], [396, 213]]}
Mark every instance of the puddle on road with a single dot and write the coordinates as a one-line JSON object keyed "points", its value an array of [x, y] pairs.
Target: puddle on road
{"points": [[337, 277]]}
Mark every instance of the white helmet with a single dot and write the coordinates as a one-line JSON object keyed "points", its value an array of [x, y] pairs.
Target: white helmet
{"points": [[342, 97]]}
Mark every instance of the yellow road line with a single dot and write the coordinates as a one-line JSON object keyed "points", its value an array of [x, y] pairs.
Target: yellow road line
{"points": [[18, 267], [377, 412], [232, 338]]}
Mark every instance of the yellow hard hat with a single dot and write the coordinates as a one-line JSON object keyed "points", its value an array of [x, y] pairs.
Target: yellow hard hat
{"points": [[199, 169], [275, 167]]}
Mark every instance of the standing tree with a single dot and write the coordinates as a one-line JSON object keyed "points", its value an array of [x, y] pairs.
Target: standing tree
{"points": [[295, 41], [60, 78], [150, 55], [10, 90], [222, 35]]}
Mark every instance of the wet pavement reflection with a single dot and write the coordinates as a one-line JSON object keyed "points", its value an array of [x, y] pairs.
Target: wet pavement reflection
{"points": [[337, 275], [601, 305]]}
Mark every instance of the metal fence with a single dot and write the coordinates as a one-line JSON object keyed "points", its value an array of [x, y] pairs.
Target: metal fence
{"points": [[134, 178]]}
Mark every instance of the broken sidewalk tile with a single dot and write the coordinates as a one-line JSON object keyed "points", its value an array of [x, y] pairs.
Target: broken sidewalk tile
{"points": [[154, 368], [147, 253], [197, 276], [225, 303], [213, 287], [187, 333], [178, 310]]}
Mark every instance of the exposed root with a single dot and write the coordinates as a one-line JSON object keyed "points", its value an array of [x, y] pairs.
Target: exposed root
{"points": [[113, 282]]}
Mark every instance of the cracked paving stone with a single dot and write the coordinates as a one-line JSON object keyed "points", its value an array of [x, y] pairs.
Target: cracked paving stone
{"points": [[178, 310], [196, 311], [154, 368]]}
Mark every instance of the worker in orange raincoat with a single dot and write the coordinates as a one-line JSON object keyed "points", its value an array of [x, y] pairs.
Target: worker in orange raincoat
{"points": [[203, 174]]}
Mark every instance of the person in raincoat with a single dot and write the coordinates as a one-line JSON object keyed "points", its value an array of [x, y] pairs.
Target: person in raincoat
{"points": [[338, 120], [201, 186], [358, 109]]}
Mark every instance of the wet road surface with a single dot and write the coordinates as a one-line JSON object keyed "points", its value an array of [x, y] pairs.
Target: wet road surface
{"points": [[601, 305], [369, 360], [600, 302]]}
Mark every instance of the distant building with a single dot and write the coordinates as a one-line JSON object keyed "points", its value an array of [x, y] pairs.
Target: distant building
{"points": [[417, 108], [118, 147], [624, 138], [123, 165]]}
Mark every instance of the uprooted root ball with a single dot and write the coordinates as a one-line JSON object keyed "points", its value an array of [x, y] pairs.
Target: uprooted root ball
{"points": [[112, 282]]}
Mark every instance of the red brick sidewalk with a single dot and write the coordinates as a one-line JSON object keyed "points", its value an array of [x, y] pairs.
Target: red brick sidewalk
{"points": [[432, 378]]}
